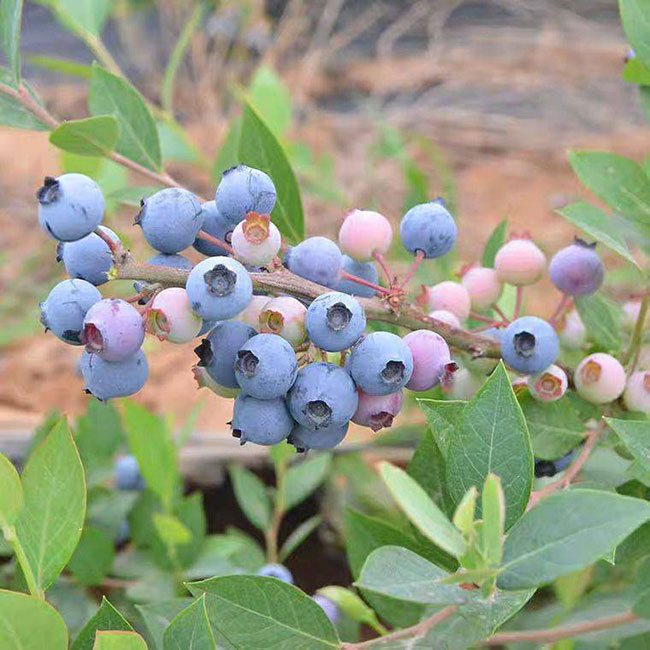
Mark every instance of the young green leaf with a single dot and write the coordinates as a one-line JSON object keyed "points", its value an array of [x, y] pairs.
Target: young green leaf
{"points": [[494, 512], [106, 618], [259, 148], [138, 135], [92, 136], [172, 531], [158, 615], [11, 493], [566, 532], [423, 513], [635, 436], [10, 19], [352, 606], [191, 629], [636, 72], [93, 557], [256, 613], [464, 514], [491, 437], [635, 16], [602, 318], [303, 478], [64, 66], [29, 623], [251, 496], [298, 536], [494, 243], [50, 523], [119, 641]]}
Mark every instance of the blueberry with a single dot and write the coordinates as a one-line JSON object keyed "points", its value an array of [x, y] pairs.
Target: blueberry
{"points": [[529, 345], [364, 270], [335, 321], [377, 411], [171, 261], [431, 358], [323, 395], [545, 468], [64, 309], [262, 421], [219, 288], [89, 258], [256, 240], [562, 463], [108, 379], [278, 571], [429, 228], [364, 233], [284, 316], [548, 385], [170, 318], [519, 262], [304, 438], [170, 219], [207, 326], [242, 190], [218, 351], [266, 366], [203, 380], [215, 224], [127, 474], [577, 270], [328, 606], [317, 259], [637, 392], [599, 378], [113, 329], [381, 363], [70, 207]]}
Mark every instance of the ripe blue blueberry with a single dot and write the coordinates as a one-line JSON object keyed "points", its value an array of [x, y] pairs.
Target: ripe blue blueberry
{"points": [[262, 421], [89, 258], [108, 379], [170, 219], [323, 395], [215, 224], [266, 366], [304, 438], [364, 270], [529, 345], [219, 288], [218, 351], [278, 571], [70, 207], [207, 326], [328, 606], [381, 363], [335, 321], [577, 270], [242, 190], [127, 474], [171, 261], [430, 228], [317, 259], [66, 306]]}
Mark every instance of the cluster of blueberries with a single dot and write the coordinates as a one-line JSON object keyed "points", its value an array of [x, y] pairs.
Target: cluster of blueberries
{"points": [[261, 349]]}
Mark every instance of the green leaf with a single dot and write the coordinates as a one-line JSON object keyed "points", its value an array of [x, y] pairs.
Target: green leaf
{"points": [[303, 478], [635, 16], [257, 613], [228, 155], [598, 225], [251, 496], [158, 615], [642, 590], [29, 623], [93, 558], [259, 148], [465, 513], [191, 629], [352, 606], [50, 523], [422, 512], [298, 536], [55, 64], [106, 618], [10, 18], [119, 641], [154, 450], [233, 552], [602, 319], [442, 416], [491, 437], [635, 72], [618, 181], [138, 138], [427, 467], [271, 99], [174, 143], [82, 17], [399, 573], [494, 511], [133, 195], [566, 532], [496, 239], [172, 532], [11, 493], [92, 136], [13, 113], [635, 435]]}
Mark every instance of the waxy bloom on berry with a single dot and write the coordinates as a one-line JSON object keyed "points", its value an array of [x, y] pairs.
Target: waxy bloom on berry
{"points": [[256, 240]]}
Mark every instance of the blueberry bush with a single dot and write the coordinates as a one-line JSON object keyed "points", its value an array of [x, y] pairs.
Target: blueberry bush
{"points": [[523, 514]]}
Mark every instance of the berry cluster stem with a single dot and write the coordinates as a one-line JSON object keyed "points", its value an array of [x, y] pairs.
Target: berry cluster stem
{"points": [[632, 353]]}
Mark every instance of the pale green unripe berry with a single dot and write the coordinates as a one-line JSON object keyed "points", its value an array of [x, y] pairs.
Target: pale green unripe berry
{"points": [[519, 262], [549, 385], [284, 316], [599, 378], [637, 392]]}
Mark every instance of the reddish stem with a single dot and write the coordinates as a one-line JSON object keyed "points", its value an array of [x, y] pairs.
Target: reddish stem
{"points": [[115, 246], [518, 300], [563, 305], [476, 330], [384, 267], [500, 313], [419, 256], [484, 319], [353, 278], [217, 242]]}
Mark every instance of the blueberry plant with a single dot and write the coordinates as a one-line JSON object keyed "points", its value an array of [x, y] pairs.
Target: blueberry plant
{"points": [[525, 505]]}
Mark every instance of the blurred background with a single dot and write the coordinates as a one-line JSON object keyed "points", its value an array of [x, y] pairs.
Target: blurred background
{"points": [[379, 105]]}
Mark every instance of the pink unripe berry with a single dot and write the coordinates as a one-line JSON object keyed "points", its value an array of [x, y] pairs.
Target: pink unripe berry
{"points": [[631, 311], [256, 240], [170, 317], [599, 378], [447, 295], [445, 316], [519, 262], [113, 329], [251, 315], [377, 411], [203, 380], [550, 385], [637, 392], [431, 357], [284, 316], [574, 333], [483, 285], [363, 232], [462, 384]]}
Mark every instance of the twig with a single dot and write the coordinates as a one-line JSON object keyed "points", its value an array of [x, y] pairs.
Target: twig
{"points": [[563, 631], [415, 631], [637, 335]]}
